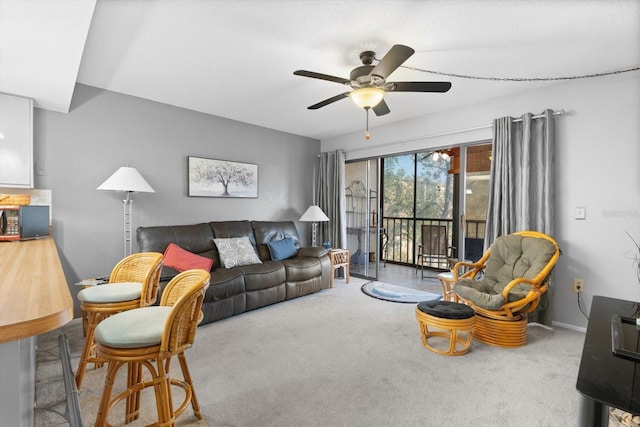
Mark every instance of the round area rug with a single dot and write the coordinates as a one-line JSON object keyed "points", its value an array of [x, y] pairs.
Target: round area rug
{"points": [[394, 293]]}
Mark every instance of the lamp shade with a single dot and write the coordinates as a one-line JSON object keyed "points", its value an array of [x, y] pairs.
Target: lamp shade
{"points": [[314, 214], [126, 179], [367, 97]]}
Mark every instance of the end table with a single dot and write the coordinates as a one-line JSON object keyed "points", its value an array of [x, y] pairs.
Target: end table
{"points": [[339, 258]]}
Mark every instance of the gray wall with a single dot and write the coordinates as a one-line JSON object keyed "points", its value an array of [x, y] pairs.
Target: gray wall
{"points": [[597, 159], [75, 152]]}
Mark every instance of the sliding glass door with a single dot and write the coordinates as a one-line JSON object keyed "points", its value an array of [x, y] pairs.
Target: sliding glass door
{"points": [[362, 209], [398, 205], [445, 190], [418, 192], [477, 166]]}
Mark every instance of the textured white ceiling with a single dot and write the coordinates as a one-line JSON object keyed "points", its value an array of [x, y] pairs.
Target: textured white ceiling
{"points": [[236, 59]]}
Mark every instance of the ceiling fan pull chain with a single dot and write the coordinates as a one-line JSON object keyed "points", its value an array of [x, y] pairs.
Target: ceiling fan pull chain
{"points": [[367, 136]]}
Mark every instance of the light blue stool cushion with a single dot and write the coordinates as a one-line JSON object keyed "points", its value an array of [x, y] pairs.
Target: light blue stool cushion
{"points": [[140, 327], [111, 292], [446, 275]]}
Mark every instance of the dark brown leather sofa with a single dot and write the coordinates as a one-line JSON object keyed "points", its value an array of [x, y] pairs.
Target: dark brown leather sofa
{"points": [[236, 290]]}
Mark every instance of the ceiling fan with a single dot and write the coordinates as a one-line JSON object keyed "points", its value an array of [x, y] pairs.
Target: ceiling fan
{"points": [[369, 81]]}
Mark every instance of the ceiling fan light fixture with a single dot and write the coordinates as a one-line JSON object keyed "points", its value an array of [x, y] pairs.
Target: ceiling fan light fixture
{"points": [[436, 155], [367, 97]]}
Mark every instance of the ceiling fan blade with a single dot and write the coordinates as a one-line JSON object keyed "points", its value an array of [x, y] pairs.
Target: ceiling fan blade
{"points": [[381, 109], [392, 60], [420, 87], [329, 101], [305, 73]]}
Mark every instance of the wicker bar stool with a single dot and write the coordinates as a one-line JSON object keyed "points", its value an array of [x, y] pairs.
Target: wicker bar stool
{"points": [[149, 337], [133, 283], [446, 319]]}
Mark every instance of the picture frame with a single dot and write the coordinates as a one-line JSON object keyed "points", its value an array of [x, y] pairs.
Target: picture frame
{"points": [[222, 178]]}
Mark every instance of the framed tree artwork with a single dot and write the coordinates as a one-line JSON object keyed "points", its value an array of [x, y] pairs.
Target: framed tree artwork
{"points": [[222, 178]]}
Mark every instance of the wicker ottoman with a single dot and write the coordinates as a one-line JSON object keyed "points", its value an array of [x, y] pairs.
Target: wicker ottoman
{"points": [[446, 319]]}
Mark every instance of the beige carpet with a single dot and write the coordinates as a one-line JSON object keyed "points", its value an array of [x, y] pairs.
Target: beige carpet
{"points": [[342, 358]]}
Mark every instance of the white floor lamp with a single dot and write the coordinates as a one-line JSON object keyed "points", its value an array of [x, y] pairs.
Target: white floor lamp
{"points": [[314, 215], [127, 179]]}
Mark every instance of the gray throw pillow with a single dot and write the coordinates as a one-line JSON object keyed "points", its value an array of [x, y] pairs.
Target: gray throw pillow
{"points": [[236, 251]]}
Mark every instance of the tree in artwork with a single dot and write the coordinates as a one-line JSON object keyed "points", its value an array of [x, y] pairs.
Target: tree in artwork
{"points": [[209, 172]]}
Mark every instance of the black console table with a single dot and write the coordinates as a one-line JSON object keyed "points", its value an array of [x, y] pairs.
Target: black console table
{"points": [[607, 380]]}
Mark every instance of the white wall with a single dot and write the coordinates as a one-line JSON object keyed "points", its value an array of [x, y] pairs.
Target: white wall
{"points": [[75, 152], [597, 161]]}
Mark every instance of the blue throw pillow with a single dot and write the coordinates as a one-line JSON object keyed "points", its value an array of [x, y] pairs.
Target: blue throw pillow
{"points": [[282, 249]]}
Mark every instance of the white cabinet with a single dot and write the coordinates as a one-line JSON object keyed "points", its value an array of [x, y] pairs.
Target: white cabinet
{"points": [[16, 141]]}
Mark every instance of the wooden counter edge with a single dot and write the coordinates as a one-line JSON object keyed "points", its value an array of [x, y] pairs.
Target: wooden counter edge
{"points": [[29, 328], [20, 329]]}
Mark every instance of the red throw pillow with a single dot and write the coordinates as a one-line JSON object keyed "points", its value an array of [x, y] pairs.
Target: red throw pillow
{"points": [[182, 260]]}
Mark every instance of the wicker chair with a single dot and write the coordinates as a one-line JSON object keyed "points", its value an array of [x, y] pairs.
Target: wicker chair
{"points": [[133, 283], [150, 337], [506, 284]]}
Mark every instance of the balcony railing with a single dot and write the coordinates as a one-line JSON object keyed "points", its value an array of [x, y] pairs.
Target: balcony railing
{"points": [[403, 237]]}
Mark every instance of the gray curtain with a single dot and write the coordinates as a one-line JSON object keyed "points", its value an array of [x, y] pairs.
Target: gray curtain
{"points": [[330, 197], [521, 195]]}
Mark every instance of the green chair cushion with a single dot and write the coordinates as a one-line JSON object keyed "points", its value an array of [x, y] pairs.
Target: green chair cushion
{"points": [[515, 256], [140, 327], [111, 292], [480, 292], [511, 257]]}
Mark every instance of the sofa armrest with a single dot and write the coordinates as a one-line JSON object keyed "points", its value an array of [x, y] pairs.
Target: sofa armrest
{"points": [[314, 252]]}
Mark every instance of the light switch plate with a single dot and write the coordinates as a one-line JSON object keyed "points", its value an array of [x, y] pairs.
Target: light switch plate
{"points": [[581, 212]]}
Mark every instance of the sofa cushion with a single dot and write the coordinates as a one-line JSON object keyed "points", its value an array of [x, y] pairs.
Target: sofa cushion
{"points": [[182, 260], [282, 249], [228, 229], [299, 269], [236, 251], [263, 276], [312, 251]]}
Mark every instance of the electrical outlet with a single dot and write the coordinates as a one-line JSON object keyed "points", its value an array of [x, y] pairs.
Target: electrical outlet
{"points": [[578, 285]]}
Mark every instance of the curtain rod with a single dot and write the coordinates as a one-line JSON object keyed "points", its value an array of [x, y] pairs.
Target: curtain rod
{"points": [[539, 116], [451, 132]]}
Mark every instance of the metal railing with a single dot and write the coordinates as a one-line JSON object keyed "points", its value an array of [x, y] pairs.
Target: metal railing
{"points": [[403, 237]]}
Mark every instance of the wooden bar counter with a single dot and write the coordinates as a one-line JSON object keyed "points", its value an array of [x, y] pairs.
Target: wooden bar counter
{"points": [[34, 299]]}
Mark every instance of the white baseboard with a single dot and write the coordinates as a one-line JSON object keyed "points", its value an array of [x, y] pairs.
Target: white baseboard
{"points": [[568, 326], [540, 325]]}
